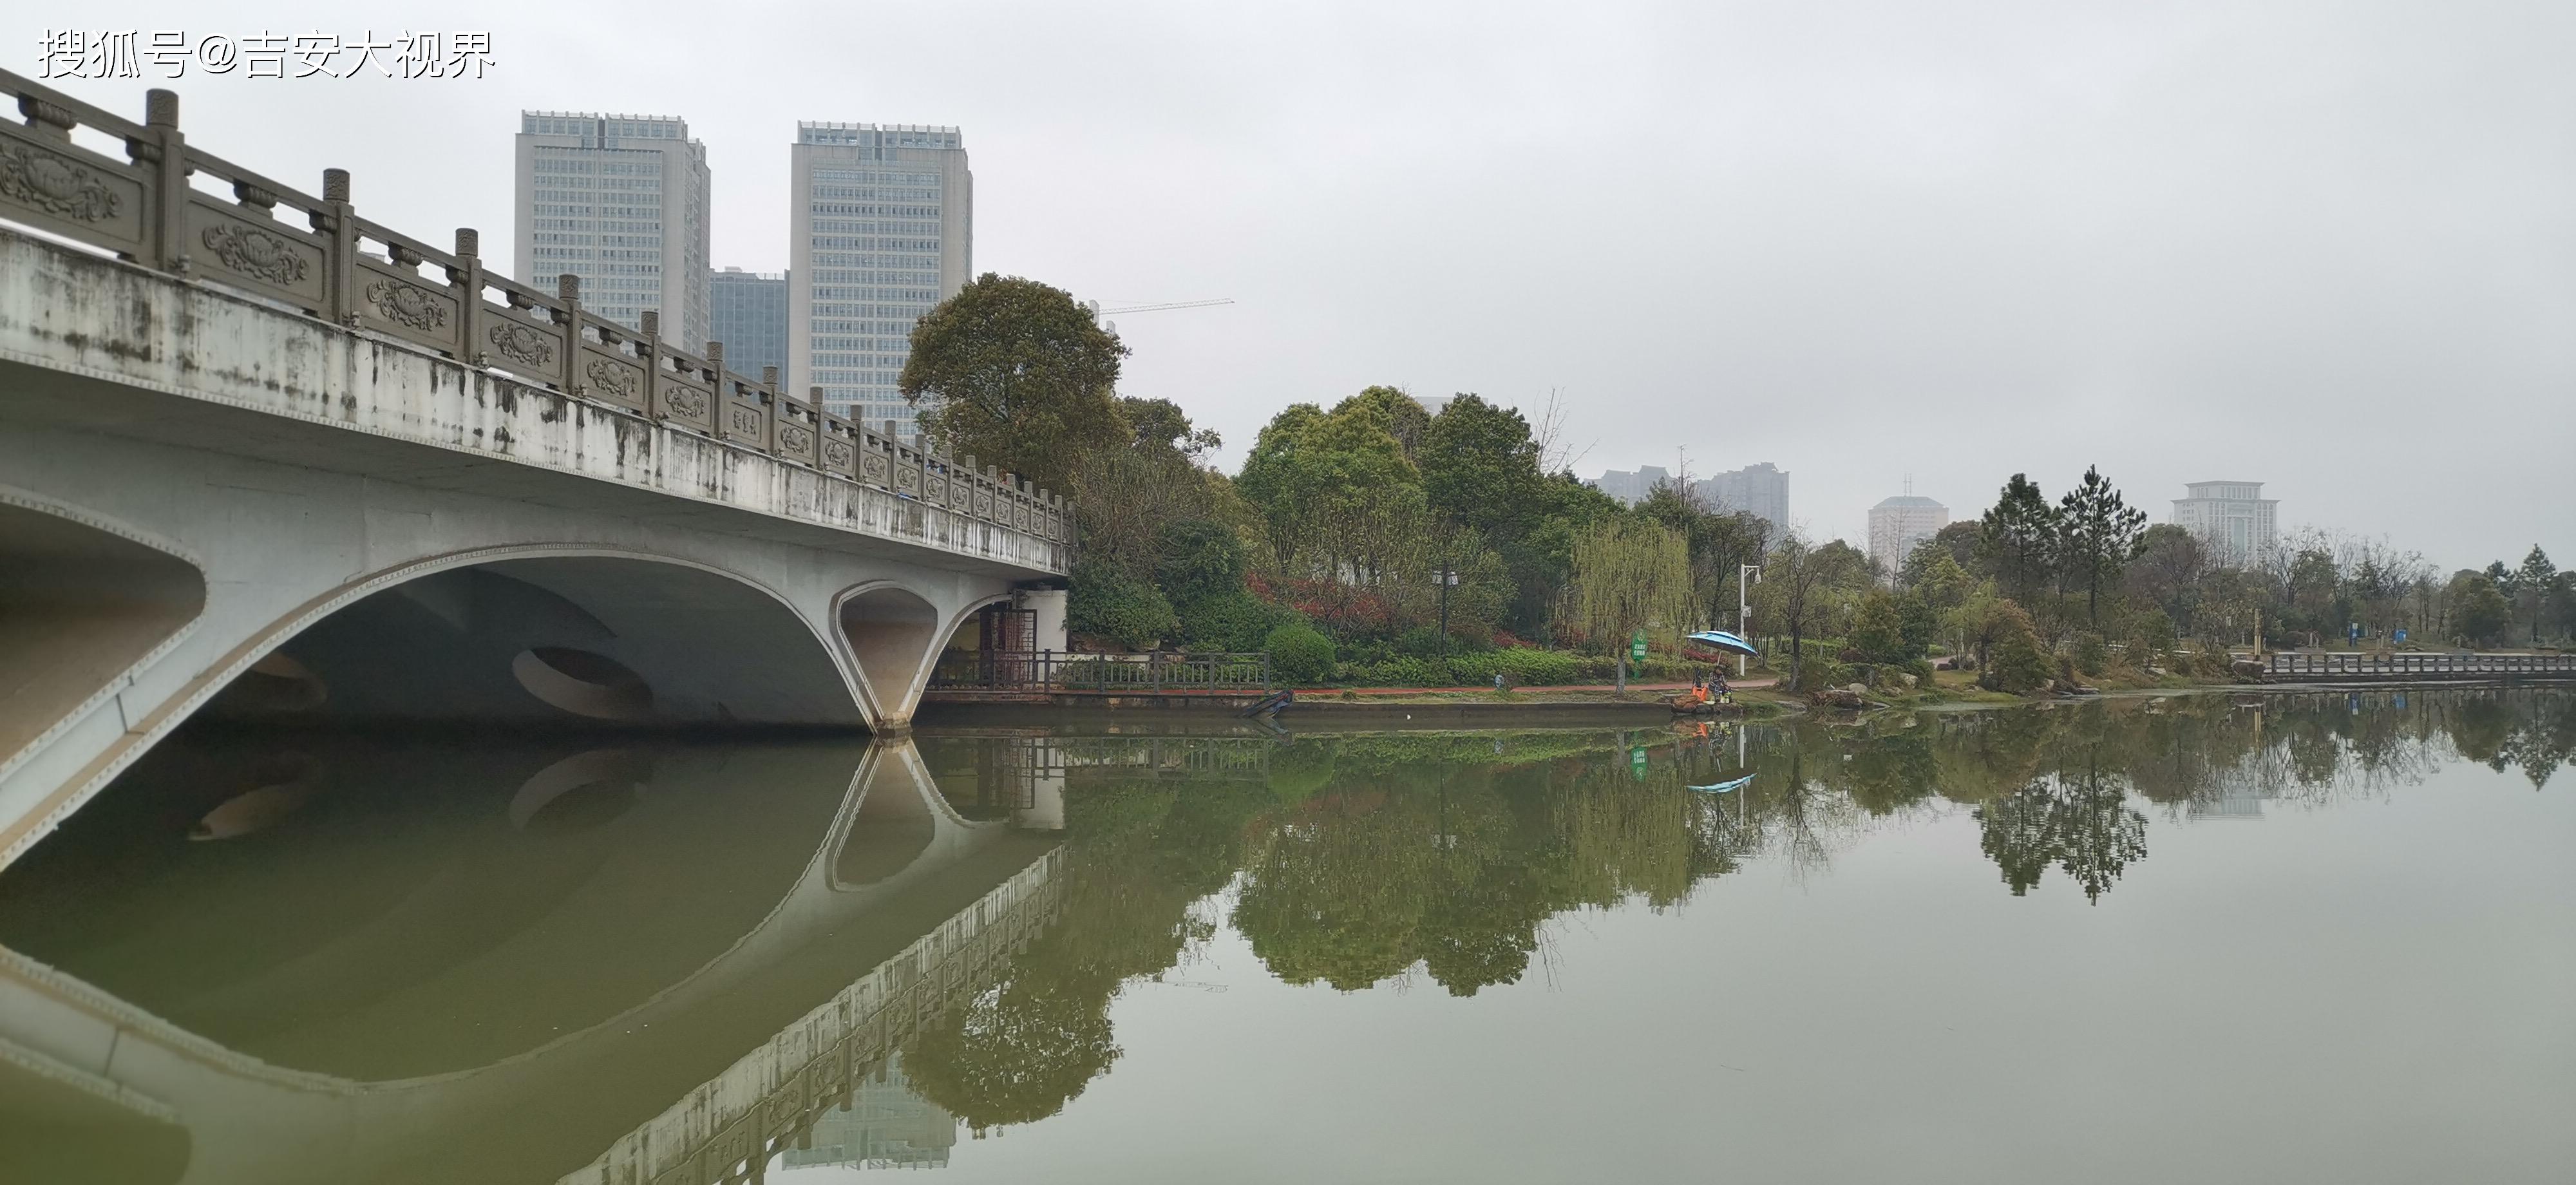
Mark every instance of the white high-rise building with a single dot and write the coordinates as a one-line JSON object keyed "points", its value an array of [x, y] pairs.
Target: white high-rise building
{"points": [[2231, 518], [882, 230], [621, 201], [1899, 525]]}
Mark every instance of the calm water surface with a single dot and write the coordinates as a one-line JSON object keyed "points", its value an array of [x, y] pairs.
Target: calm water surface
{"points": [[2320, 938]]}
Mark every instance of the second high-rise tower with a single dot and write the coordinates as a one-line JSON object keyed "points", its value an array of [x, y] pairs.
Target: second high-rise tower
{"points": [[882, 229]]}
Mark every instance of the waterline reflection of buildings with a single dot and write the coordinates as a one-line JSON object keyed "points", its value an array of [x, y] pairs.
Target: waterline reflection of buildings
{"points": [[884, 1126]]}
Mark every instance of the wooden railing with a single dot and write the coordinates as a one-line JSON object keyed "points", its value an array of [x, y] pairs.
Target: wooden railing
{"points": [[1059, 670], [2357, 665], [152, 207]]}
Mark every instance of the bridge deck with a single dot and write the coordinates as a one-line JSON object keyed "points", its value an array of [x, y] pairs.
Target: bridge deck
{"points": [[337, 322]]}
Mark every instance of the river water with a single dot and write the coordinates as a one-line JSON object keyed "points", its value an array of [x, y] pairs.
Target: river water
{"points": [[2276, 938]]}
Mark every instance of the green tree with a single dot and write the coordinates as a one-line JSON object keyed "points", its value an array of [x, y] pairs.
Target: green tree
{"points": [[2479, 612], [1197, 559], [1918, 624], [1108, 603], [1957, 540], [1802, 591], [1017, 374], [1480, 467], [1878, 632], [2017, 539], [2167, 570], [2533, 582], [1938, 581], [2098, 533], [2314, 583], [1405, 420], [2009, 655], [1199, 567], [1124, 497], [1337, 496]]}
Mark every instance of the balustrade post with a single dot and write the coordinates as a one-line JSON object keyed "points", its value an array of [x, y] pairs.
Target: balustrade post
{"points": [[649, 325], [568, 291], [339, 224], [467, 277], [167, 151]]}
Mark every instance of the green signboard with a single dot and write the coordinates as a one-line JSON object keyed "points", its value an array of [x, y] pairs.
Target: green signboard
{"points": [[1637, 647]]}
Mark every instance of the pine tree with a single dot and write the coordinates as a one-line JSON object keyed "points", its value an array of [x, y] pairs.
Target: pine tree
{"points": [[2532, 585], [2017, 537], [2100, 533]]}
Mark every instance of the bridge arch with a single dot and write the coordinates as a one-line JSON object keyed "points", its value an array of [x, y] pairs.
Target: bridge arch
{"points": [[539, 634], [85, 600], [813, 684]]}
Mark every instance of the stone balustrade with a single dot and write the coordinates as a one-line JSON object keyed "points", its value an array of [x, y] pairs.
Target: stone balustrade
{"points": [[155, 208]]}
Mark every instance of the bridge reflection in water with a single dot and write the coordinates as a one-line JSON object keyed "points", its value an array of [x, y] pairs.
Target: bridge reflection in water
{"points": [[315, 957]]}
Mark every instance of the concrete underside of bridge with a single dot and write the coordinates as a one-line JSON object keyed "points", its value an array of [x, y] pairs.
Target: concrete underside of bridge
{"points": [[207, 503]]}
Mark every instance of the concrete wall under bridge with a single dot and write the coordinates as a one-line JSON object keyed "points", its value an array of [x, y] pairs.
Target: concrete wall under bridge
{"points": [[208, 502]]}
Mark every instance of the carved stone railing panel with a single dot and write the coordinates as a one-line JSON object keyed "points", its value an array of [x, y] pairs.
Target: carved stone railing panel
{"points": [[841, 446], [515, 341], [247, 249], [397, 301], [934, 481], [610, 370], [58, 186], [799, 432], [746, 414], [907, 471]]}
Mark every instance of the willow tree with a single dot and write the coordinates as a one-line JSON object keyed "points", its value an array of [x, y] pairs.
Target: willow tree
{"points": [[1628, 574]]}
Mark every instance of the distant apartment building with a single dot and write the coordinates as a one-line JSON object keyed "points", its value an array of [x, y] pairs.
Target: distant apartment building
{"points": [[1759, 490], [882, 229], [2231, 518], [1899, 525], [751, 319], [621, 201], [1432, 404], [1630, 488]]}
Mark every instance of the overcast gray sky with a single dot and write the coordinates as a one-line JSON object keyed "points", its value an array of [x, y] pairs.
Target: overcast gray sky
{"points": [[2328, 246]]}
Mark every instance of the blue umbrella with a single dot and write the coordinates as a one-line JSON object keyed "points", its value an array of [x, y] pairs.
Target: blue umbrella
{"points": [[1722, 640], [1725, 787]]}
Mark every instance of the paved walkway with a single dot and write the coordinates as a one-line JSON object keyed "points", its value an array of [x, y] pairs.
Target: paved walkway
{"points": [[1736, 684]]}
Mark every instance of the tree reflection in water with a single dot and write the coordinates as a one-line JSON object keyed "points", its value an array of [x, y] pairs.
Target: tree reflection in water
{"points": [[1356, 860], [2083, 825]]}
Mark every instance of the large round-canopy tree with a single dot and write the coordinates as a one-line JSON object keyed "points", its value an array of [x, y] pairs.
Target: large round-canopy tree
{"points": [[1019, 375]]}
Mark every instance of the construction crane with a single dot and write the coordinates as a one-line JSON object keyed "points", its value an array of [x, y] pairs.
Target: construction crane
{"points": [[1156, 308]]}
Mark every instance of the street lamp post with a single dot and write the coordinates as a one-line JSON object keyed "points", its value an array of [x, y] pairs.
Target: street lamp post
{"points": [[1746, 576], [1448, 580]]}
